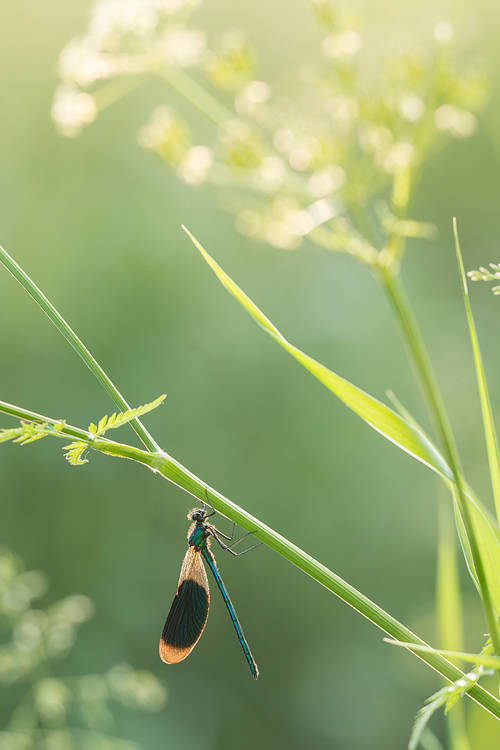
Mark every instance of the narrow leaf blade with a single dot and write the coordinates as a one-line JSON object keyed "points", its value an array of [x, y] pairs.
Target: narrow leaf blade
{"points": [[488, 423], [487, 660], [374, 412]]}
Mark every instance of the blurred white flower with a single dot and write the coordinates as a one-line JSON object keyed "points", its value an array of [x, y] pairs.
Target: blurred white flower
{"points": [[270, 174], [443, 31], [250, 101], [343, 45], [15, 599], [196, 165], [118, 17], [137, 689], [279, 227], [28, 633], [300, 158], [75, 609], [35, 581], [123, 38], [399, 156], [183, 47], [60, 638], [326, 181], [374, 137], [411, 106], [458, 122], [280, 235], [72, 110], [51, 697], [162, 121], [80, 63], [313, 216], [256, 91]]}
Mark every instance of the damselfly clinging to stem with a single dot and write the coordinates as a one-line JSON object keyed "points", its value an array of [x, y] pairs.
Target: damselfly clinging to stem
{"points": [[189, 611]]}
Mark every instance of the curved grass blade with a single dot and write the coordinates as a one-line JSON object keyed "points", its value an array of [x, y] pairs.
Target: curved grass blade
{"points": [[374, 412], [488, 538], [488, 423], [450, 612], [71, 337], [485, 529]]}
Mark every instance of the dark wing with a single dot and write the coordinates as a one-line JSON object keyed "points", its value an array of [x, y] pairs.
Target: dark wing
{"points": [[189, 611]]}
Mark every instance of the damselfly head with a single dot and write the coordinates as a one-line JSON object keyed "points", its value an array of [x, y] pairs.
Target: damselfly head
{"points": [[197, 514]]}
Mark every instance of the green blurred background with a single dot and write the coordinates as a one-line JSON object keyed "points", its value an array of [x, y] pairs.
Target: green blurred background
{"points": [[96, 222]]}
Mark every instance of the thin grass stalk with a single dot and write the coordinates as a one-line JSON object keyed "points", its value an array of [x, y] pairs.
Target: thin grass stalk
{"points": [[489, 425], [71, 337], [418, 354]]}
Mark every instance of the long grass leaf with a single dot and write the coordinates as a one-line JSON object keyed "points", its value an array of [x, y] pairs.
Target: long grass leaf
{"points": [[71, 337], [449, 601], [450, 614], [488, 539], [488, 423], [374, 412], [484, 525]]}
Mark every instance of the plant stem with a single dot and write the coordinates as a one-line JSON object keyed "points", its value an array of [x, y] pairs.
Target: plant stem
{"points": [[422, 364], [172, 470], [77, 345], [489, 424]]}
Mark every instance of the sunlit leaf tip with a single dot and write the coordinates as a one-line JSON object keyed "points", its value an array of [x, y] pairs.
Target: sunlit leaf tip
{"points": [[118, 420]]}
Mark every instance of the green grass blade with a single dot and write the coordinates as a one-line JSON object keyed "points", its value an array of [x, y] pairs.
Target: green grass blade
{"points": [[488, 540], [416, 347], [484, 526], [449, 600], [71, 337], [489, 425], [450, 614], [486, 660], [375, 413]]}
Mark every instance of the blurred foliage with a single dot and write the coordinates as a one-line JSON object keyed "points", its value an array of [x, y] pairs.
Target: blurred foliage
{"points": [[301, 162], [59, 713]]}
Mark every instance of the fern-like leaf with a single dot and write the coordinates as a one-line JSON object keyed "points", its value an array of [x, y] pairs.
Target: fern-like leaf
{"points": [[447, 697], [28, 432], [74, 452], [424, 715], [118, 420]]}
